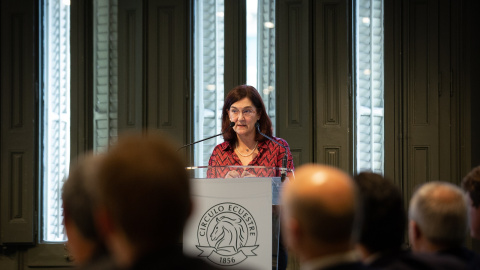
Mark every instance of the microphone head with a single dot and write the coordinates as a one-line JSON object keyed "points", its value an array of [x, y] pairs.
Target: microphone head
{"points": [[232, 124]]}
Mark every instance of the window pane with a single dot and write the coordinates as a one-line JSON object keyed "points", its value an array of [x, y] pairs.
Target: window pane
{"points": [[56, 114], [370, 82], [261, 51], [209, 70], [252, 38], [56, 148], [105, 73], [209, 65]]}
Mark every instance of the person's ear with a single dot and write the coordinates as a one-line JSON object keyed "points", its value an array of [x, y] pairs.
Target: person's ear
{"points": [[363, 251], [104, 223], [416, 229], [414, 234], [292, 233], [296, 229]]}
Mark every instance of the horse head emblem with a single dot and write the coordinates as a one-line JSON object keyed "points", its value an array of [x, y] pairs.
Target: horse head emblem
{"points": [[229, 233]]}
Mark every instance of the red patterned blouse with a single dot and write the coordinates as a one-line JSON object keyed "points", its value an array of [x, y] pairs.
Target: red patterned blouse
{"points": [[269, 155]]}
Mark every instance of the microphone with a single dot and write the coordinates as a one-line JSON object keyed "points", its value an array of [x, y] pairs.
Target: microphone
{"points": [[285, 156], [231, 125]]}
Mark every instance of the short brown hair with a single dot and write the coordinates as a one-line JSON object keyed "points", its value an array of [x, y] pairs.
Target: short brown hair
{"points": [[238, 93], [471, 185], [144, 187], [76, 198], [384, 218]]}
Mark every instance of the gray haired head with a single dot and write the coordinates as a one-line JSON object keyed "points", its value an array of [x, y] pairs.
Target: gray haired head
{"points": [[440, 211]]}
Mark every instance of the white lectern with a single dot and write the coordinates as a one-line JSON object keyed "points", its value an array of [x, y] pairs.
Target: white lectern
{"points": [[235, 222]]}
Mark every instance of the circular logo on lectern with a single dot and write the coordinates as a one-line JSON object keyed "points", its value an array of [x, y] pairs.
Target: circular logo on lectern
{"points": [[227, 234]]}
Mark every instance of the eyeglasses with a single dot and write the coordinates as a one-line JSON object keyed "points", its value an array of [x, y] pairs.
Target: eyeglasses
{"points": [[246, 112]]}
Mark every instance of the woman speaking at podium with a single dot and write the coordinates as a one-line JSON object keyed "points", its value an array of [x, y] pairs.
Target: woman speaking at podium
{"points": [[244, 145], [243, 113]]}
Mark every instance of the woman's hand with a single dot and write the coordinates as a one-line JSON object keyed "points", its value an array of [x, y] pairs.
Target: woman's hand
{"points": [[235, 174], [232, 174], [247, 174]]}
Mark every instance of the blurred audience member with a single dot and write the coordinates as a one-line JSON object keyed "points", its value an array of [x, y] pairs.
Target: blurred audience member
{"points": [[439, 222], [383, 229], [319, 218], [143, 196], [84, 245], [471, 185]]}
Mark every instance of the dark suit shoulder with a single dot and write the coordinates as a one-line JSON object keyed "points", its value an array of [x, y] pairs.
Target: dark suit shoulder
{"points": [[172, 262], [348, 266], [409, 261], [194, 263], [99, 263], [470, 258]]}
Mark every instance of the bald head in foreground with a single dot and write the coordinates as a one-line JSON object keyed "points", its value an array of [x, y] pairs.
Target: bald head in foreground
{"points": [[319, 218]]}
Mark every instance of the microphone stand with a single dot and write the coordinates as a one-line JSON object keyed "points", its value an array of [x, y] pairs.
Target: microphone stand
{"points": [[231, 125], [285, 156]]}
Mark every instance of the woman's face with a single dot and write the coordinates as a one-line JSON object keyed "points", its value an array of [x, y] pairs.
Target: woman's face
{"points": [[245, 115]]}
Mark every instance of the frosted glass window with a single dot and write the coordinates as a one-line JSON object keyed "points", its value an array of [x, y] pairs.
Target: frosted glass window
{"points": [[210, 61], [261, 51], [56, 114], [105, 73], [370, 85], [56, 99]]}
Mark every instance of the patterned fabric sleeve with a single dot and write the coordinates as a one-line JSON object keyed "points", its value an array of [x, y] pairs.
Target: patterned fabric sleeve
{"points": [[290, 157], [270, 155], [211, 173]]}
